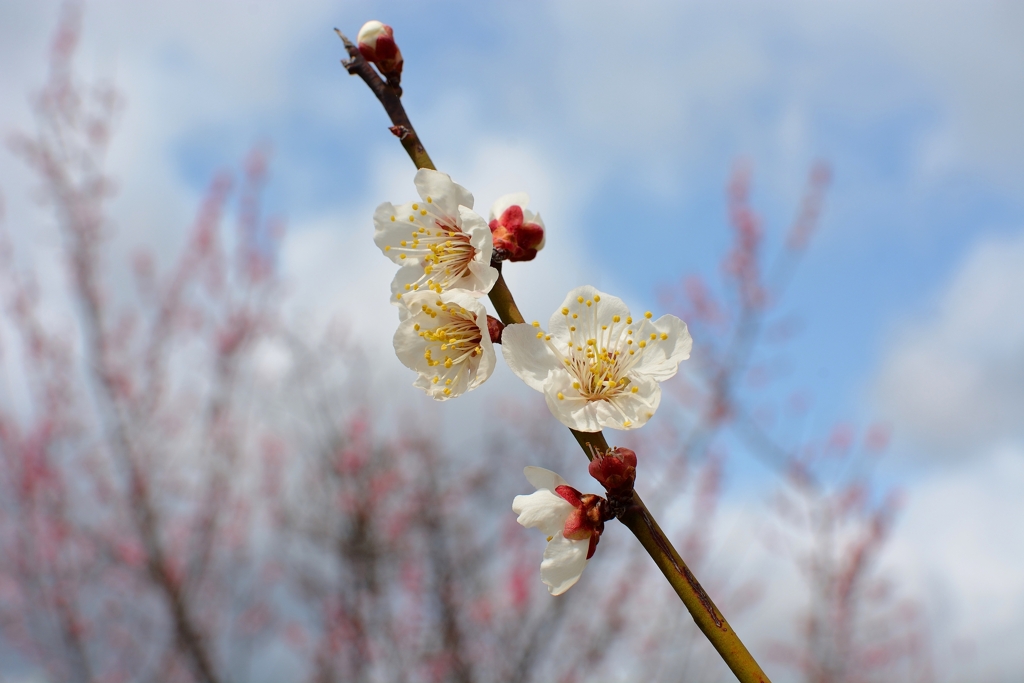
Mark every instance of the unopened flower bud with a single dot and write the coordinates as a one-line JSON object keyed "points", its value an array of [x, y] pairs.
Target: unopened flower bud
{"points": [[495, 327], [377, 45], [615, 469], [515, 231]]}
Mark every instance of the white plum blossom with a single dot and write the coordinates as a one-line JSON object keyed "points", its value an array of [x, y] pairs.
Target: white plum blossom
{"points": [[444, 338], [571, 521], [440, 243], [596, 366]]}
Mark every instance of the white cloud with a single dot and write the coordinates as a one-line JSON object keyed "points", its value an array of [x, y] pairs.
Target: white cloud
{"points": [[954, 382], [958, 546]]}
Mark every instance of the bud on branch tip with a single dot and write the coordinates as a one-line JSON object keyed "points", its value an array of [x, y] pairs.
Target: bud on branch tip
{"points": [[376, 42]]}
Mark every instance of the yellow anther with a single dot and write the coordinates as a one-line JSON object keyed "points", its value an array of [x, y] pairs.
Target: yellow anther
{"points": [[664, 336], [540, 335], [616, 318], [574, 316], [415, 287], [447, 391], [589, 302], [629, 320], [402, 256], [392, 219], [408, 287], [572, 328], [653, 336], [436, 379], [597, 297], [604, 327], [626, 423], [536, 323], [387, 247], [448, 382], [629, 331], [591, 342], [631, 352], [415, 206], [412, 219], [565, 311], [575, 385], [642, 343], [561, 396], [547, 337], [429, 200], [403, 243], [398, 296], [648, 315], [549, 538], [629, 341], [447, 362], [416, 327], [423, 212], [580, 299], [635, 389]]}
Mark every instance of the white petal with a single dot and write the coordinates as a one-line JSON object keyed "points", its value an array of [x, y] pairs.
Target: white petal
{"points": [[543, 479], [406, 275], [589, 319], [627, 407], [529, 357], [661, 358], [572, 410], [543, 510], [447, 195], [520, 199], [479, 234], [564, 561], [388, 234]]}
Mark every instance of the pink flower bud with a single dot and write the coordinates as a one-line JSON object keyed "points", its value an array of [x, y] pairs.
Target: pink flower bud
{"points": [[615, 469], [377, 45], [519, 233]]}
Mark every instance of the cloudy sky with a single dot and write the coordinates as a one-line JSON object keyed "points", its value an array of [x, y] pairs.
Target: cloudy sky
{"points": [[623, 125]]}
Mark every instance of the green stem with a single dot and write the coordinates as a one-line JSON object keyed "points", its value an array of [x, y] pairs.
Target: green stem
{"points": [[637, 518]]}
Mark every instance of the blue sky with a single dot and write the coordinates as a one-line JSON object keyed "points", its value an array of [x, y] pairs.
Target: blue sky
{"points": [[623, 125]]}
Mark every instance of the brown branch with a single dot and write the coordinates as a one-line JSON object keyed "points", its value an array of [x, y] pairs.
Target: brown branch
{"points": [[638, 518], [390, 98]]}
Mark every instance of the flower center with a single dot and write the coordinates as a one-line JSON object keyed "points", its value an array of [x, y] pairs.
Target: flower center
{"points": [[454, 342], [448, 250], [601, 352]]}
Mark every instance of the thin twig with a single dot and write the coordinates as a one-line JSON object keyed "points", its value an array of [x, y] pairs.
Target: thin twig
{"points": [[638, 518]]}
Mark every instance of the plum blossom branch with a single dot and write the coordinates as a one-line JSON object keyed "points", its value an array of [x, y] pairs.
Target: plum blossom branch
{"points": [[636, 517]]}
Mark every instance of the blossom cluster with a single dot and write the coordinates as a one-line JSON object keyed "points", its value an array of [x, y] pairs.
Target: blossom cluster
{"points": [[596, 364]]}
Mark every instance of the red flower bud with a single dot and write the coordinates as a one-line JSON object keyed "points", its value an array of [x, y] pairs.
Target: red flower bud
{"points": [[615, 469], [519, 233], [495, 327], [377, 45], [587, 520]]}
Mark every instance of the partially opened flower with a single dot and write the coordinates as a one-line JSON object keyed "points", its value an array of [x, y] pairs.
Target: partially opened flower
{"points": [[440, 243], [518, 234], [444, 338], [572, 521], [596, 366]]}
